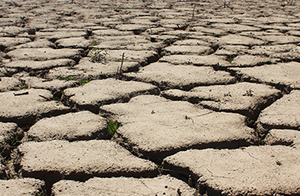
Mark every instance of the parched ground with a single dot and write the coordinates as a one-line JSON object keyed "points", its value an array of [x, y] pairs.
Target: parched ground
{"points": [[205, 96]]}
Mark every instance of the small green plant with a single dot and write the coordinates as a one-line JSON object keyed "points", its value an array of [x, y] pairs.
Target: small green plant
{"points": [[24, 86], [84, 81], [7, 161], [262, 141], [69, 78], [56, 99], [250, 122], [112, 127], [97, 55], [187, 117], [14, 141], [278, 163], [230, 59]]}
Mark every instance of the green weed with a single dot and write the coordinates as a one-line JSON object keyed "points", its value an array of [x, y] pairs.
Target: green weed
{"points": [[278, 163], [112, 127], [24, 86], [230, 59], [250, 122], [84, 81], [187, 117], [69, 78], [56, 99], [14, 141]]}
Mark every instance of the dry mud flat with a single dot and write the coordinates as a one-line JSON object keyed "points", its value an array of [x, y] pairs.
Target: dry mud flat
{"points": [[207, 99]]}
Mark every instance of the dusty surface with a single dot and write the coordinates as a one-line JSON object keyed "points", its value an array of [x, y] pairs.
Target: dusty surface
{"points": [[149, 97]]}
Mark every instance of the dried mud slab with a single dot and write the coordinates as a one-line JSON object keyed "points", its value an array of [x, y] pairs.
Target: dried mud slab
{"points": [[8, 133], [22, 186], [189, 50], [143, 57], [105, 69], [40, 43], [255, 170], [245, 98], [73, 42], [284, 39], [234, 28], [9, 84], [11, 41], [208, 60], [185, 77], [55, 86], [239, 40], [67, 73], [281, 73], [99, 92], [26, 106], [286, 137], [72, 126], [43, 54], [80, 160], [282, 114], [40, 65], [249, 61], [121, 186], [155, 127]]}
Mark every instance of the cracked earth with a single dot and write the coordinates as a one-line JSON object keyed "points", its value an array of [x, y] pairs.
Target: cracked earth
{"points": [[206, 95]]}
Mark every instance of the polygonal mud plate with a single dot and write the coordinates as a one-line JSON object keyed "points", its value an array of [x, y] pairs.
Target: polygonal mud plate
{"points": [[255, 170], [40, 43], [99, 92], [155, 127], [26, 106], [22, 186], [8, 84], [189, 50], [80, 160], [72, 126], [245, 98], [73, 42], [283, 113], [143, 57], [104, 69], [121, 186], [66, 73], [249, 61], [281, 73], [166, 75], [55, 86], [239, 40], [40, 65], [10, 134], [207, 60], [43, 54], [11, 41], [288, 137]]}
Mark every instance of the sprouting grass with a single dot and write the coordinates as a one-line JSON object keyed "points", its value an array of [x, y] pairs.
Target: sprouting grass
{"points": [[24, 86], [56, 99], [84, 81], [14, 141], [112, 127], [230, 59], [69, 78]]}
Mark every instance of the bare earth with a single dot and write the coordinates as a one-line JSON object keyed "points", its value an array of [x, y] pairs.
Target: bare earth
{"points": [[205, 95]]}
